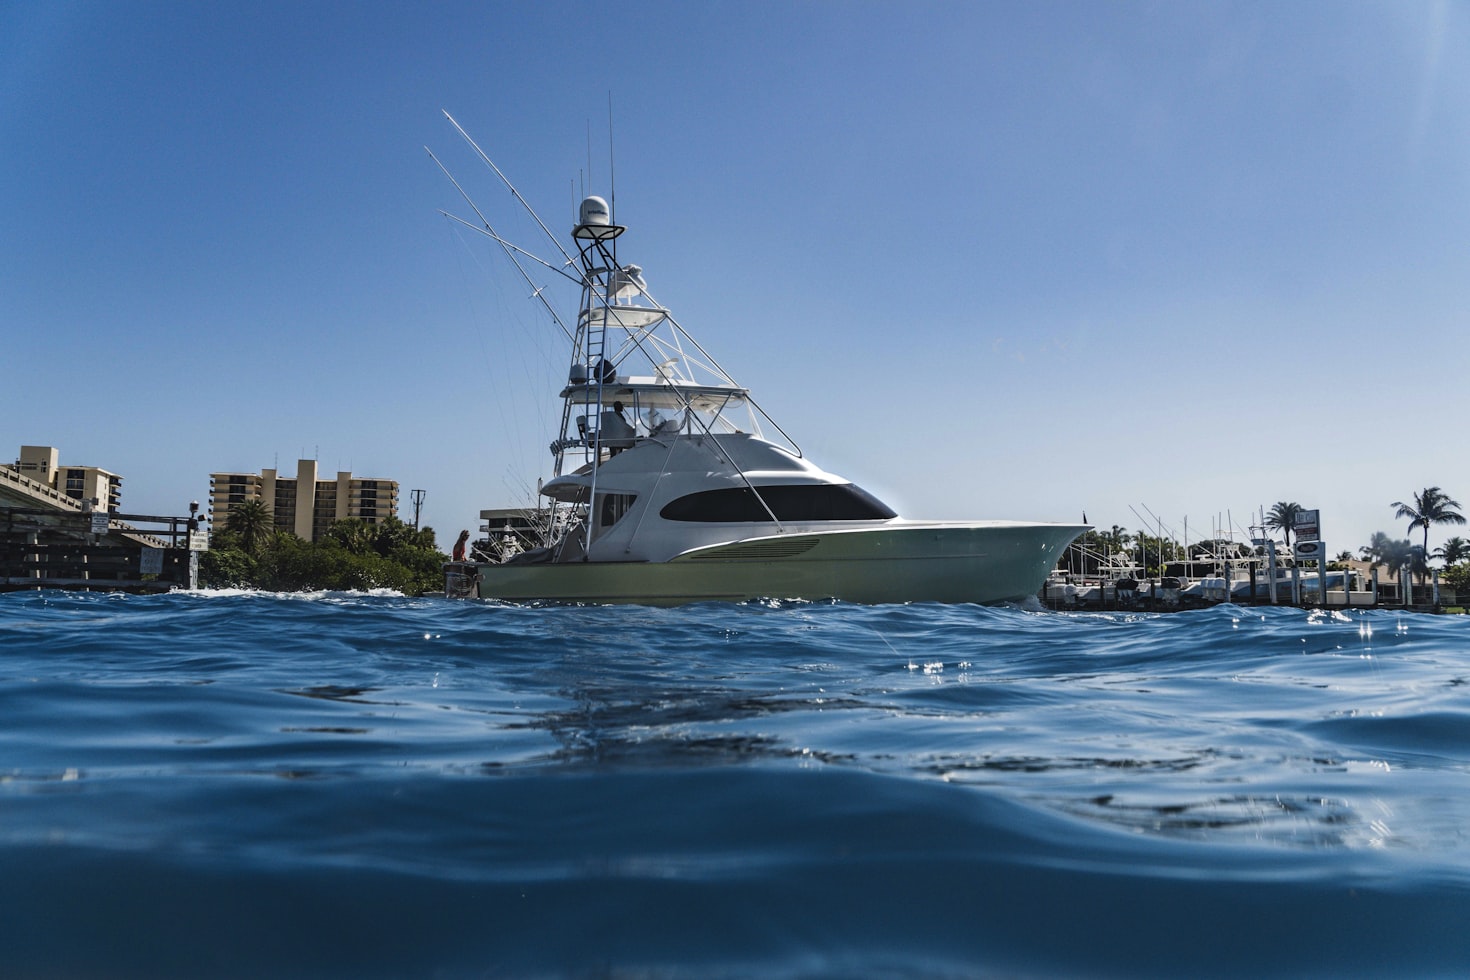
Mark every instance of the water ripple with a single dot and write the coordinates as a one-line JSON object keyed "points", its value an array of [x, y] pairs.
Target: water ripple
{"points": [[947, 761]]}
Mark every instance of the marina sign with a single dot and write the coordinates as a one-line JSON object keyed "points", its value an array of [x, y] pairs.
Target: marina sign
{"points": [[1306, 525]]}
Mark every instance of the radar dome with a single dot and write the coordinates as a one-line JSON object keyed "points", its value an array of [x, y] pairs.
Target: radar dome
{"points": [[594, 212]]}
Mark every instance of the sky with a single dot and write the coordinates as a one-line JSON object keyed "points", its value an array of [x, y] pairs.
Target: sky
{"points": [[1140, 261]]}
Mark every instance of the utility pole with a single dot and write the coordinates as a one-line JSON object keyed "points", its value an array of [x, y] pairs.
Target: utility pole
{"points": [[418, 502]]}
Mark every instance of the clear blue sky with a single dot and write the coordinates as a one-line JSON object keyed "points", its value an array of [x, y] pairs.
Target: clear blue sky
{"points": [[1012, 260]]}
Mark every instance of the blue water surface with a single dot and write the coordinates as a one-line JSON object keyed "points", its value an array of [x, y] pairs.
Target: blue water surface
{"points": [[236, 784]]}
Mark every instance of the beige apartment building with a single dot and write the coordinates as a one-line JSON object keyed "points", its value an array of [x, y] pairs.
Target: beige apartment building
{"points": [[303, 505], [42, 464]]}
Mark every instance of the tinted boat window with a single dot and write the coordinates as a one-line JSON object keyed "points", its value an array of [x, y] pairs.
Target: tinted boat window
{"points": [[614, 506], [812, 502]]}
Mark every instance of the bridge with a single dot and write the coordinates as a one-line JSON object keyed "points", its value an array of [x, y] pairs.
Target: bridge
{"points": [[49, 540]]}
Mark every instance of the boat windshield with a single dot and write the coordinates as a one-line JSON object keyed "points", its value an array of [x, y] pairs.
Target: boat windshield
{"points": [[670, 408]]}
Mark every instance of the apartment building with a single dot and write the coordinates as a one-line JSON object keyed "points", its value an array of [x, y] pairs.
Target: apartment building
{"points": [[42, 464], [304, 505]]}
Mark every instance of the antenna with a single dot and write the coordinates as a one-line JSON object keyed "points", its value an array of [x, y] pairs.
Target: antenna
{"points": [[612, 178]]}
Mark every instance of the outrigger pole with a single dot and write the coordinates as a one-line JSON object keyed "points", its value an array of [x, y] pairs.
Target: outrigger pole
{"points": [[507, 246], [506, 181]]}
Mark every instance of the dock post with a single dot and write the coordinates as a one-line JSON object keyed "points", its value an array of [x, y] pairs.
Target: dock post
{"points": [[1271, 570]]}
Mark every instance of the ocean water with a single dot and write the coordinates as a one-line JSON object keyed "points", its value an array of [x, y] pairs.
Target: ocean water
{"points": [[358, 785]]}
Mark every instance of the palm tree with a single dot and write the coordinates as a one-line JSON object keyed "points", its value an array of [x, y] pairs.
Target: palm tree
{"points": [[1395, 553], [1431, 506], [354, 534], [253, 522], [1453, 551], [1376, 551], [1283, 518]]}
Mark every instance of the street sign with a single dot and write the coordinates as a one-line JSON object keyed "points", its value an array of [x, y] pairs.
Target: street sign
{"points": [[198, 540], [99, 522]]}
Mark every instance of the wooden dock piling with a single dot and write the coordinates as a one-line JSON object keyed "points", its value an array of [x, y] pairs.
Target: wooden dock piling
{"points": [[45, 548]]}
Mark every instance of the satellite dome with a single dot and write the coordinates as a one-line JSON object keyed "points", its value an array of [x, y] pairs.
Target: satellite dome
{"points": [[594, 212]]}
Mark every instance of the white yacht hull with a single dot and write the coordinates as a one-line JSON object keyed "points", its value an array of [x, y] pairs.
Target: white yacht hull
{"points": [[911, 562]]}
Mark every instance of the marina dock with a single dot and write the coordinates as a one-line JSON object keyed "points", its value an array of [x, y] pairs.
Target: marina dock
{"points": [[1173, 595], [49, 540]]}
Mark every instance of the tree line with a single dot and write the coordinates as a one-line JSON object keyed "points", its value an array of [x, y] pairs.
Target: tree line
{"points": [[251, 552]]}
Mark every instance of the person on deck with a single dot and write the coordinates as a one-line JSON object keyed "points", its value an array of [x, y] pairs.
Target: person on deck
{"points": [[461, 546]]}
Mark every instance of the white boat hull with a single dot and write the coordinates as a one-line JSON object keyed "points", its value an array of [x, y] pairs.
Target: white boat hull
{"points": [[911, 562]]}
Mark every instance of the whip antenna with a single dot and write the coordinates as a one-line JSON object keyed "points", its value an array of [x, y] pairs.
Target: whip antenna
{"points": [[612, 177]]}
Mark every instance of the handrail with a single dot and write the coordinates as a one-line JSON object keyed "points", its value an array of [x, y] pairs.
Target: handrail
{"points": [[37, 488]]}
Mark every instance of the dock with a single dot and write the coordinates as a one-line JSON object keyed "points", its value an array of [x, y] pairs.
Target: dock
{"points": [[50, 540], [1166, 595]]}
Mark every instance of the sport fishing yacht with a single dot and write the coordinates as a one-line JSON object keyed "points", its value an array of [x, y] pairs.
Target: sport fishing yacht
{"points": [[666, 489]]}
